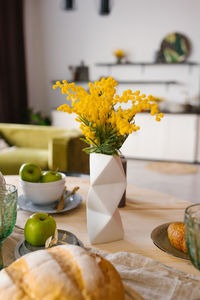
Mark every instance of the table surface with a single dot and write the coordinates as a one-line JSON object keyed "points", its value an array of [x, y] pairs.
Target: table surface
{"points": [[144, 210]]}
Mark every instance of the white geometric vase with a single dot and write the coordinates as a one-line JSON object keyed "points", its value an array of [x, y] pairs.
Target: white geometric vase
{"points": [[107, 185]]}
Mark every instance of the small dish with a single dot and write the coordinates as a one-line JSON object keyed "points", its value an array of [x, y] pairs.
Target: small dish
{"points": [[23, 247], [70, 203], [160, 238]]}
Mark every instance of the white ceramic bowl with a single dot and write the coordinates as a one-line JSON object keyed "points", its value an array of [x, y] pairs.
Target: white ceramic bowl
{"points": [[43, 193]]}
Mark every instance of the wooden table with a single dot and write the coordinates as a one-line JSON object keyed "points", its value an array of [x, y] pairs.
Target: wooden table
{"points": [[144, 210]]}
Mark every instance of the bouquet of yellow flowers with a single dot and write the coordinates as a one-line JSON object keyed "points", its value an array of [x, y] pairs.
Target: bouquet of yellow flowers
{"points": [[104, 123]]}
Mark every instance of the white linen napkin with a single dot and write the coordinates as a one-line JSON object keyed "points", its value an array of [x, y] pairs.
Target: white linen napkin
{"points": [[154, 280]]}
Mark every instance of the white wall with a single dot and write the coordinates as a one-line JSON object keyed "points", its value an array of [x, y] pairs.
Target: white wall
{"points": [[56, 38]]}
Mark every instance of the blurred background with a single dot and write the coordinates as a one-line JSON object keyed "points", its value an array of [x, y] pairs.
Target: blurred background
{"points": [[152, 46]]}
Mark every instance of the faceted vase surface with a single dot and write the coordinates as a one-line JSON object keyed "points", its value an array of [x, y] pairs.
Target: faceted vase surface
{"points": [[107, 185]]}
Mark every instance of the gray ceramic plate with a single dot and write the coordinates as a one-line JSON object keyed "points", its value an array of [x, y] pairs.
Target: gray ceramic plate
{"points": [[160, 238], [70, 203], [23, 247]]}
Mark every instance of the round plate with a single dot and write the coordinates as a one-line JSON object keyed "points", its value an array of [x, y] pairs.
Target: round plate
{"points": [[23, 247], [175, 48], [160, 238], [70, 203]]}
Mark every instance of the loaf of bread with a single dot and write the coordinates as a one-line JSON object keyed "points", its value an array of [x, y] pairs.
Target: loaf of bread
{"points": [[61, 273], [176, 234]]}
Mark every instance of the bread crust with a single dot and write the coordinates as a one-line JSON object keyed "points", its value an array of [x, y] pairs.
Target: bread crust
{"points": [[176, 235], [61, 273], [113, 283]]}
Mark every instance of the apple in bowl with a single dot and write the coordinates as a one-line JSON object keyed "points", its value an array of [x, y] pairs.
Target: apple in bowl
{"points": [[48, 189], [50, 176], [30, 172]]}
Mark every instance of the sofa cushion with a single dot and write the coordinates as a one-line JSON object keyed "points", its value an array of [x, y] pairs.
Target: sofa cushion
{"points": [[3, 144], [32, 136], [5, 140], [10, 162]]}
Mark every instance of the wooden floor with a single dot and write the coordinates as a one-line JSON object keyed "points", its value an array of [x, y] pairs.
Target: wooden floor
{"points": [[186, 187]]}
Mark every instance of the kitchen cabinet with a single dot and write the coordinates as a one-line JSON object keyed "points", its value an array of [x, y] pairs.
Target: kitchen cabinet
{"points": [[64, 120], [174, 138]]}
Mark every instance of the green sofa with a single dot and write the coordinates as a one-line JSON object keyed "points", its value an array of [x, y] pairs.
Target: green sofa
{"points": [[49, 147]]}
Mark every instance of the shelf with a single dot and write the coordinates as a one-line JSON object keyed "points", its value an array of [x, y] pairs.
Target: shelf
{"points": [[143, 65], [166, 82], [169, 82], [146, 64], [70, 81]]}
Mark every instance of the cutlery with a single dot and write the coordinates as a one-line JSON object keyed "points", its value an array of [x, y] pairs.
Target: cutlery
{"points": [[61, 203]]}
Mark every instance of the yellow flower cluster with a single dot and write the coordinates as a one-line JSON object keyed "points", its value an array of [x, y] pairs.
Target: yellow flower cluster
{"points": [[119, 53], [103, 125]]}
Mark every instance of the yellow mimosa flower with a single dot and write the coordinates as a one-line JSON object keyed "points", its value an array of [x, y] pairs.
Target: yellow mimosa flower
{"points": [[105, 127]]}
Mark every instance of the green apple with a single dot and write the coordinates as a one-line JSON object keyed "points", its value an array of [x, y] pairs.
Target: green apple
{"points": [[38, 228], [30, 172], [50, 176]]}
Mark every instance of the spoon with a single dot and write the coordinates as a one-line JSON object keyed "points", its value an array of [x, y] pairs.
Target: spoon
{"points": [[61, 203]]}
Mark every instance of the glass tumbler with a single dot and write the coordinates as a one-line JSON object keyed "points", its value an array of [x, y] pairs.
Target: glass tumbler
{"points": [[8, 213], [192, 233]]}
